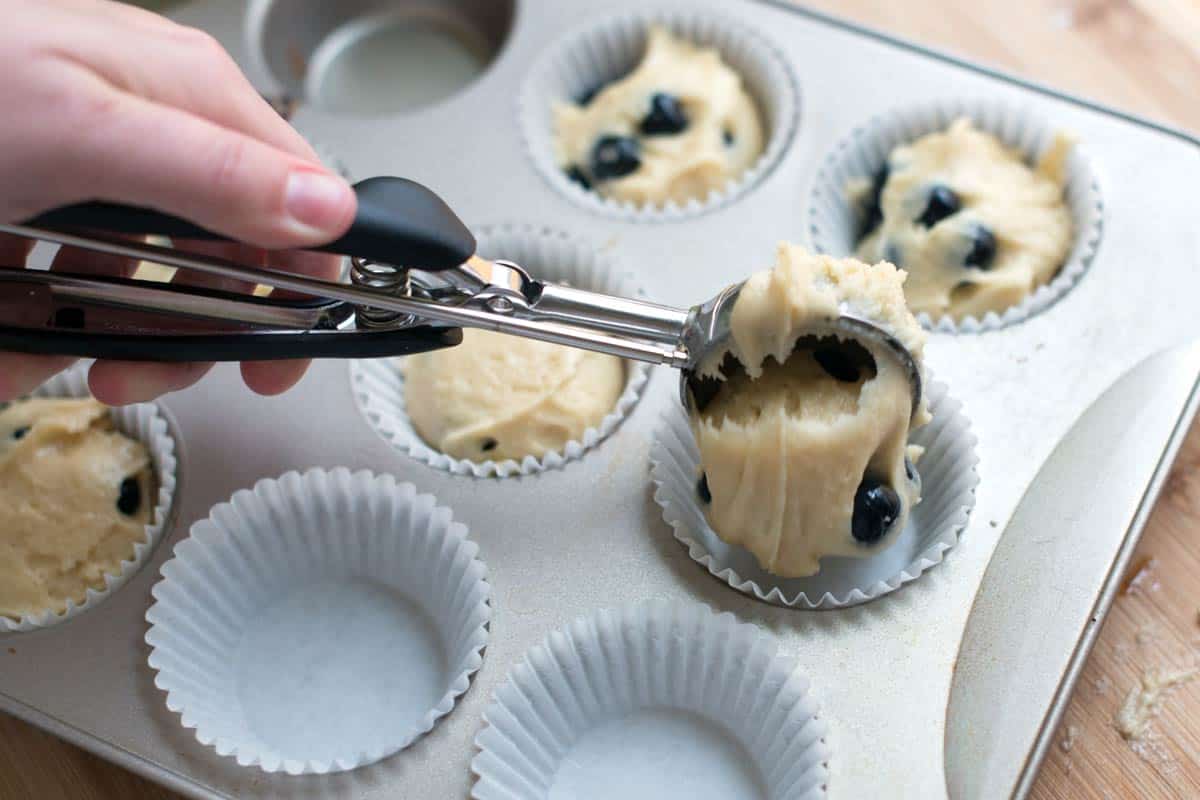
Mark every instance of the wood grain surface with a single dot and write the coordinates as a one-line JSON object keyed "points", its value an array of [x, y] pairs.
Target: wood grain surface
{"points": [[1141, 55]]}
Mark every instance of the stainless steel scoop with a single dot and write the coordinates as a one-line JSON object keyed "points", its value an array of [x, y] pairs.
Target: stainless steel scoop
{"points": [[415, 281]]}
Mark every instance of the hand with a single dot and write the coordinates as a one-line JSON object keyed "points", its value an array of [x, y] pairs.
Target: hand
{"points": [[103, 101]]}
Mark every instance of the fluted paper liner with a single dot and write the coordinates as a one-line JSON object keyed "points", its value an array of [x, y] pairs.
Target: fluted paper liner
{"points": [[150, 425], [652, 700], [378, 384], [834, 222], [608, 48], [319, 621], [948, 480]]}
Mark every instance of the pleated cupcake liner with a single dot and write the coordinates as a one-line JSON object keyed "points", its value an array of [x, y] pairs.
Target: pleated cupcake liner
{"points": [[834, 222], [149, 424], [948, 481], [606, 49], [653, 700], [378, 384], [319, 621]]}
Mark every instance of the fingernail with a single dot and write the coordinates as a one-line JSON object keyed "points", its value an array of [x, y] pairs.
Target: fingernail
{"points": [[317, 200]]}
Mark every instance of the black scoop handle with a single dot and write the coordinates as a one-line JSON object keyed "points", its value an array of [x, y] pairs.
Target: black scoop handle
{"points": [[399, 222]]}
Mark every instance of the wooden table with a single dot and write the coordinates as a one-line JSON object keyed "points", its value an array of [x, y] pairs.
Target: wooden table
{"points": [[1141, 55]]}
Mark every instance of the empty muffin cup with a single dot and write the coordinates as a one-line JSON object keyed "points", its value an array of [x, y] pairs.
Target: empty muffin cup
{"points": [[834, 221], [948, 480], [373, 57], [319, 621], [149, 424], [656, 700], [379, 384], [606, 50]]}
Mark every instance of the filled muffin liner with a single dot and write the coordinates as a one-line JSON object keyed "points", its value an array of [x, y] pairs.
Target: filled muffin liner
{"points": [[616, 662], [606, 49], [948, 481], [834, 221], [149, 424], [256, 565], [378, 384]]}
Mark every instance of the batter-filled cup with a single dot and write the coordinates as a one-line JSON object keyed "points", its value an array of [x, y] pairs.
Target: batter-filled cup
{"points": [[835, 222], [319, 621], [608, 49], [379, 384], [947, 476], [149, 424], [656, 700]]}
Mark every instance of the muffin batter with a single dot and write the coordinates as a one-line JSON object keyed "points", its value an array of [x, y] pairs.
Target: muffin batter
{"points": [[497, 397], [678, 127], [975, 227], [75, 496], [804, 444]]}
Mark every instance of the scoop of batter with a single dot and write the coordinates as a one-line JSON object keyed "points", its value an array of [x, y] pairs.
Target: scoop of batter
{"points": [[804, 443], [678, 127], [75, 496], [499, 397], [975, 227]]}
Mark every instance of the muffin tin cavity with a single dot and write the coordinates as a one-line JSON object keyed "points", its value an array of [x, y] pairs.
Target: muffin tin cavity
{"points": [[319, 622], [599, 710], [370, 57], [837, 223], [608, 49], [149, 424], [945, 472], [379, 387]]}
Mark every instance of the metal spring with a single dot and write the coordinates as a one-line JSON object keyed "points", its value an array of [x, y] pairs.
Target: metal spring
{"points": [[385, 279]]}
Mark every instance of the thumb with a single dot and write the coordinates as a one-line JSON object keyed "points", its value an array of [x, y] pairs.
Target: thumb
{"points": [[164, 158]]}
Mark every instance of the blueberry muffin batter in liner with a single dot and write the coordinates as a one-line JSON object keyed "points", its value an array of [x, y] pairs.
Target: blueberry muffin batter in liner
{"points": [[76, 457], [679, 126], [805, 472], [381, 393], [613, 119], [949, 223]]}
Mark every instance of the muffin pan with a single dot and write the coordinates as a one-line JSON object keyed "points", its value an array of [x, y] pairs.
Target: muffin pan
{"points": [[908, 715]]}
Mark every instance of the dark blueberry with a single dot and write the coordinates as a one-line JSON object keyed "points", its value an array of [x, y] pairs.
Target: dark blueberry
{"points": [[702, 489], [488, 445], [983, 249], [615, 157], [878, 181], [19, 433], [838, 363], [727, 137], [876, 508], [910, 469], [576, 175], [589, 95], [942, 203], [666, 116], [873, 207], [130, 499]]}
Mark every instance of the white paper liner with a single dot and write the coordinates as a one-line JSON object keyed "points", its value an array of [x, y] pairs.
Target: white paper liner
{"points": [[606, 49], [319, 622], [149, 424], [378, 384], [834, 221], [948, 480], [661, 699]]}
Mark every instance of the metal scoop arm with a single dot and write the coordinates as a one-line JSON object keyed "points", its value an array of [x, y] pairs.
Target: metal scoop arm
{"points": [[414, 280]]}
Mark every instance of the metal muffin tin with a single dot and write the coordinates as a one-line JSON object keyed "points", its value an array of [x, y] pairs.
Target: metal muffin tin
{"points": [[910, 715]]}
